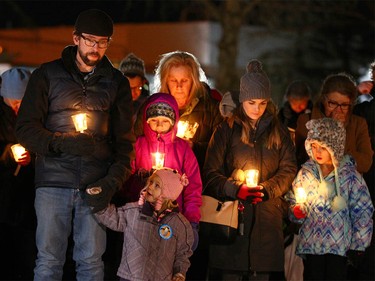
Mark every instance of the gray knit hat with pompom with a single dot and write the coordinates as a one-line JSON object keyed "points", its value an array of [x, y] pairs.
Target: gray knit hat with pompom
{"points": [[255, 83], [132, 65]]}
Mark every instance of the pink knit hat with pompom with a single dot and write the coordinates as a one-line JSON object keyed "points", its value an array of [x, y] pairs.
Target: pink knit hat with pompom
{"points": [[173, 183]]}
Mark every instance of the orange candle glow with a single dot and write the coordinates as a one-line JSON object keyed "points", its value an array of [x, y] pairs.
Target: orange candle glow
{"points": [[252, 177], [301, 195], [17, 151], [80, 122], [181, 128], [157, 160]]}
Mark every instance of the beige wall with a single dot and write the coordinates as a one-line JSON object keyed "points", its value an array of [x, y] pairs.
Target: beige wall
{"points": [[32, 47]]}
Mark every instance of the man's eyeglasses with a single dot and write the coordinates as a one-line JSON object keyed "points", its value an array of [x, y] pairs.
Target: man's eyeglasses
{"points": [[102, 44], [333, 105]]}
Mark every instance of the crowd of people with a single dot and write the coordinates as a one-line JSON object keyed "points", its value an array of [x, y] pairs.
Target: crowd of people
{"points": [[108, 181]]}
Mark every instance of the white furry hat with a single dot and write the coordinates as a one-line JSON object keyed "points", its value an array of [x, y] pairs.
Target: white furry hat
{"points": [[330, 134]]}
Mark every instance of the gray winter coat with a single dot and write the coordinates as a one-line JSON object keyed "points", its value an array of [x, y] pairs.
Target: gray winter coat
{"points": [[148, 254]]}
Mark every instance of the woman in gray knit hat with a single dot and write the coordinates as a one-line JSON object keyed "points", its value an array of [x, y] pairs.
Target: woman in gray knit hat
{"points": [[253, 138]]}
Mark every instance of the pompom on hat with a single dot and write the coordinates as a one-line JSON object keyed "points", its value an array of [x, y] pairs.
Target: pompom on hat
{"points": [[255, 83], [14, 82], [131, 65], [161, 109], [95, 22]]}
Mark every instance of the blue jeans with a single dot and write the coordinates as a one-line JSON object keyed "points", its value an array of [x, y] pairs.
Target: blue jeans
{"points": [[58, 211]]}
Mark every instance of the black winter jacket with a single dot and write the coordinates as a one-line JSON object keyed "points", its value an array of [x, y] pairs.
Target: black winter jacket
{"points": [[55, 92], [261, 248]]}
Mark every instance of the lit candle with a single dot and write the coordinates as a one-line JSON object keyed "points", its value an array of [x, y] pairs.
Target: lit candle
{"points": [[17, 150], [191, 130], [181, 128], [301, 195], [80, 122], [157, 160], [252, 177]]}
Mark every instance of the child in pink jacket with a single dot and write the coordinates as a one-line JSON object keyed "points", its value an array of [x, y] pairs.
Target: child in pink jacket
{"points": [[160, 119]]}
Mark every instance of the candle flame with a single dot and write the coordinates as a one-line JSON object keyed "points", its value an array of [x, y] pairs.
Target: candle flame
{"points": [[157, 160], [252, 177], [80, 122], [301, 195], [17, 151]]}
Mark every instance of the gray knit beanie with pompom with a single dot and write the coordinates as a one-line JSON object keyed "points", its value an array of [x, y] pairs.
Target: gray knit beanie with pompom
{"points": [[255, 83]]}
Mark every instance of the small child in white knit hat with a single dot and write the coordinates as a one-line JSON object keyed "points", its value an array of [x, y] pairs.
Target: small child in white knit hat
{"points": [[332, 202], [158, 239]]}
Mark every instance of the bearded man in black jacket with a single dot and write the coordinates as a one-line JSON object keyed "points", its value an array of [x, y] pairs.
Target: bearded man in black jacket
{"points": [[68, 162]]}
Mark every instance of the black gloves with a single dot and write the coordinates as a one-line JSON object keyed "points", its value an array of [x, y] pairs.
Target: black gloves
{"points": [[73, 143], [99, 200], [253, 195]]}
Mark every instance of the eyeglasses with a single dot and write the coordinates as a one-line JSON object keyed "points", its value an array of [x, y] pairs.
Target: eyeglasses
{"points": [[102, 44], [333, 104]]}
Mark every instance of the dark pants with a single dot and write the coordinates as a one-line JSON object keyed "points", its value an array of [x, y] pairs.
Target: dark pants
{"points": [[232, 275], [325, 267], [199, 261], [17, 252]]}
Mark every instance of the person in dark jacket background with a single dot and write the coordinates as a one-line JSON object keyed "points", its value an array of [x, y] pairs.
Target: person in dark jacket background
{"points": [[297, 101], [134, 69], [364, 265], [336, 98], [17, 214], [67, 162], [253, 138]]}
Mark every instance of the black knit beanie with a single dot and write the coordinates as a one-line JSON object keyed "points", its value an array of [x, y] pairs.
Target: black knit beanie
{"points": [[95, 22], [255, 83]]}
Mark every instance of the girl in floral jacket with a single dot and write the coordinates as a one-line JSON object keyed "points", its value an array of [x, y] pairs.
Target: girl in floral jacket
{"points": [[331, 200]]}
